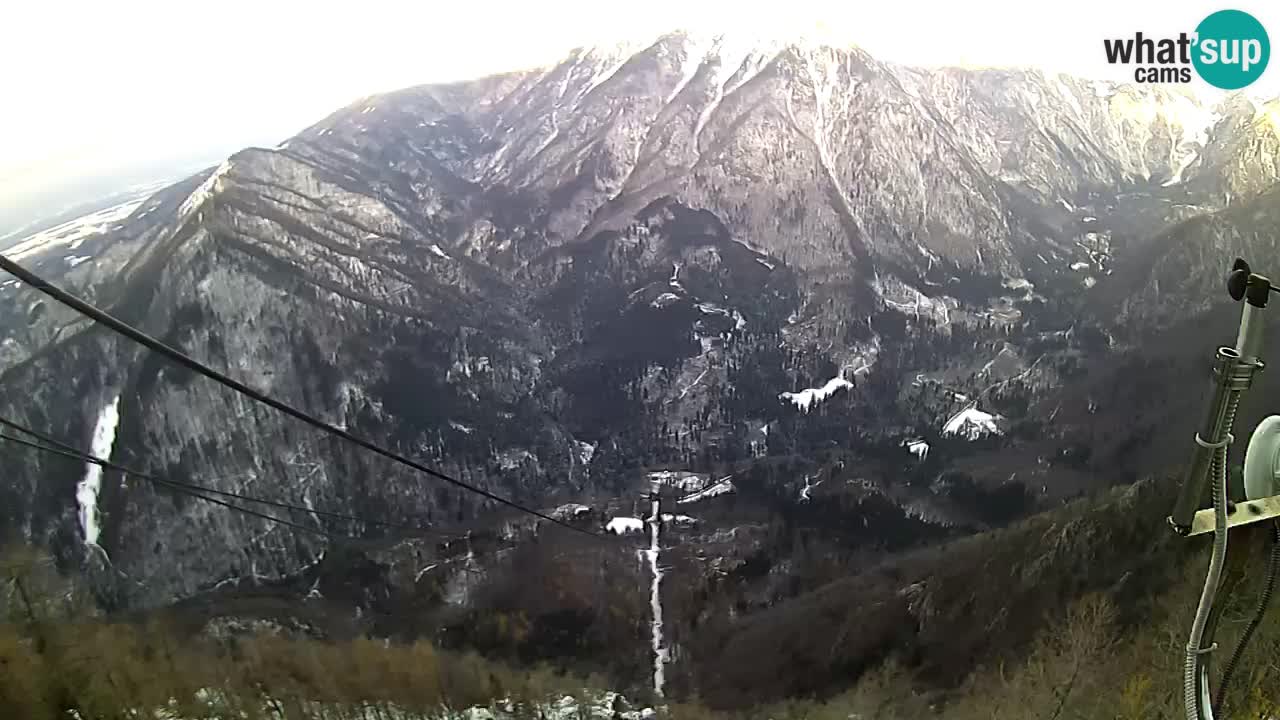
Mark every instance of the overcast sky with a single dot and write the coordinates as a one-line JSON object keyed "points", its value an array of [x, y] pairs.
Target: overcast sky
{"points": [[91, 87]]}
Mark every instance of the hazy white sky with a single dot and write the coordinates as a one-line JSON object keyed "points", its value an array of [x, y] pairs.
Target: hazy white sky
{"points": [[92, 85]]}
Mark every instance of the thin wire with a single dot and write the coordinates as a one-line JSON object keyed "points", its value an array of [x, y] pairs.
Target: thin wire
{"points": [[178, 488], [73, 452], [181, 358]]}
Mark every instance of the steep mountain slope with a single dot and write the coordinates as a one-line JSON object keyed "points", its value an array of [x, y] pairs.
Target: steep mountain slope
{"points": [[545, 282]]}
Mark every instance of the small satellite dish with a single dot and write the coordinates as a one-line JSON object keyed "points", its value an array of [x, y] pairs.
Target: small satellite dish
{"points": [[1262, 460]]}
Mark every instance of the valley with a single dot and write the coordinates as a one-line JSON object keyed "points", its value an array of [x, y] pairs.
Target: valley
{"points": [[857, 319]]}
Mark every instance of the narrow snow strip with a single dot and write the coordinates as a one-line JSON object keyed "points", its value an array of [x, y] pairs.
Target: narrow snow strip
{"points": [[655, 601], [688, 68], [664, 300], [104, 439], [604, 75], [692, 385]]}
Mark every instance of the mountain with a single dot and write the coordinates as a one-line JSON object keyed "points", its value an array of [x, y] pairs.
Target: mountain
{"points": [[895, 304]]}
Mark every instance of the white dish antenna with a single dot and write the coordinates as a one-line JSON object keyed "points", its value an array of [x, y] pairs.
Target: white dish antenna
{"points": [[1262, 460]]}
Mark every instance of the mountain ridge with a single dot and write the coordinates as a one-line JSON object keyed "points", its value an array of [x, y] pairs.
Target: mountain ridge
{"points": [[638, 254]]}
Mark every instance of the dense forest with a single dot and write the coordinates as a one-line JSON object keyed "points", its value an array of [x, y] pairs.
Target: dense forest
{"points": [[60, 658]]}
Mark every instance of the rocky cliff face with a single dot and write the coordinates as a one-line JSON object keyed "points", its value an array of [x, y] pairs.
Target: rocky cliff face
{"points": [[544, 282]]}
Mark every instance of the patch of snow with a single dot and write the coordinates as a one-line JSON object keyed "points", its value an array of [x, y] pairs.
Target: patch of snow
{"points": [[807, 490], [512, 459], [766, 263], [1079, 266], [904, 298], [971, 424], [1066, 205], [917, 447], [465, 429], [728, 57], [724, 485], [73, 232], [1090, 281], [104, 440], [438, 251], [570, 511], [806, 399], [710, 309], [688, 68], [671, 519], [624, 525], [424, 571], [1065, 92], [604, 74], [586, 451], [74, 260], [927, 253], [675, 276], [1185, 163], [664, 300], [555, 133], [686, 481]]}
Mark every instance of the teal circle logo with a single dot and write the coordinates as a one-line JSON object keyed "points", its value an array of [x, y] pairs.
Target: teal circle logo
{"points": [[1232, 49]]}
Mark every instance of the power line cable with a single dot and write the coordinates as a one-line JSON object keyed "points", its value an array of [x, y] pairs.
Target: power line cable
{"points": [[177, 356], [73, 452], [177, 488]]}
